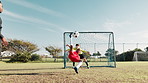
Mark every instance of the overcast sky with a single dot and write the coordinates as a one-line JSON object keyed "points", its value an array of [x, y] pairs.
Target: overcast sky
{"points": [[43, 22]]}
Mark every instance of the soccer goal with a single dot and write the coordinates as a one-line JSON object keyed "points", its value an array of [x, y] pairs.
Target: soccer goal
{"points": [[140, 56], [98, 48]]}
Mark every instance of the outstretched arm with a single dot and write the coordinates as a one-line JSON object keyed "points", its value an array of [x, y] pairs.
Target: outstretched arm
{"points": [[70, 46], [1, 7], [4, 41]]}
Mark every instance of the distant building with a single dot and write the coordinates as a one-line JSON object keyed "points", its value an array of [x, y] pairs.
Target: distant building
{"points": [[7, 53]]}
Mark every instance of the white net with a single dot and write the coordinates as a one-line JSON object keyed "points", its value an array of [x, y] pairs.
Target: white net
{"points": [[140, 56], [97, 44]]}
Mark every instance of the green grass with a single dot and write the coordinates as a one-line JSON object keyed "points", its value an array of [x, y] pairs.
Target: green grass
{"points": [[126, 72]]}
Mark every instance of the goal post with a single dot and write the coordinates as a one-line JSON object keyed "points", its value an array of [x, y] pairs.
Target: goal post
{"points": [[99, 48], [140, 56]]}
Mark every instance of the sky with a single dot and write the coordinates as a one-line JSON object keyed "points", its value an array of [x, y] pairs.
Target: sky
{"points": [[43, 22]]}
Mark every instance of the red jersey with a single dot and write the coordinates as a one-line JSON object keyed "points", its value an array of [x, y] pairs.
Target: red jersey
{"points": [[73, 56]]}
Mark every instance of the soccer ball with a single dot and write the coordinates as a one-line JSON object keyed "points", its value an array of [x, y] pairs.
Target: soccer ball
{"points": [[75, 34]]}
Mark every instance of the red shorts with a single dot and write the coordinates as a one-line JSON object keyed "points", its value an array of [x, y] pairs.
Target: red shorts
{"points": [[74, 57]]}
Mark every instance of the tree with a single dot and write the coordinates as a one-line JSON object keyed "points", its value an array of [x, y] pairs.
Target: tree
{"points": [[146, 49], [35, 57], [20, 46], [54, 51], [22, 50], [137, 49], [127, 56], [97, 54], [109, 52], [116, 52], [20, 57]]}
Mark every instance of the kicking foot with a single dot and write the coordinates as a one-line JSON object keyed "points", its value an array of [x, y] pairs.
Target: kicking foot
{"points": [[73, 67], [76, 70], [88, 67]]}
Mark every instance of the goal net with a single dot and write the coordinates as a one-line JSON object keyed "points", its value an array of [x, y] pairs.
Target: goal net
{"points": [[98, 48], [140, 56]]}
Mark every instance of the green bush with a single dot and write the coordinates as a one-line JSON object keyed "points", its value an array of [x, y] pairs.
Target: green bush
{"points": [[35, 57], [21, 57], [126, 56]]}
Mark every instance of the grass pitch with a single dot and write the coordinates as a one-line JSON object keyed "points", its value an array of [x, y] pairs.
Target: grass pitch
{"points": [[126, 72]]}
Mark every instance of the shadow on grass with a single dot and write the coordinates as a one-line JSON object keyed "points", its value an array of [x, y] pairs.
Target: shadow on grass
{"points": [[29, 69], [21, 74], [45, 73]]}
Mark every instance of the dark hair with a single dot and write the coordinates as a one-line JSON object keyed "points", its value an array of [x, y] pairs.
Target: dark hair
{"points": [[78, 49], [77, 44]]}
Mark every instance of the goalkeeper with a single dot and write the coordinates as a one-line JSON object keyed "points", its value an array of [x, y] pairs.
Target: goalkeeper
{"points": [[81, 55]]}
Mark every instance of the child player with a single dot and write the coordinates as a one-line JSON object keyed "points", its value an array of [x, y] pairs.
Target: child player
{"points": [[81, 55], [74, 57]]}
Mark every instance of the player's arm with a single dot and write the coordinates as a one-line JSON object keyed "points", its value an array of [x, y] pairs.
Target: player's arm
{"points": [[1, 36], [71, 49], [70, 46], [83, 50], [1, 7], [4, 41]]}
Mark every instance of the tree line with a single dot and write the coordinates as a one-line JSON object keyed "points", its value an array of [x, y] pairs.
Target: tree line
{"points": [[24, 51], [128, 56]]}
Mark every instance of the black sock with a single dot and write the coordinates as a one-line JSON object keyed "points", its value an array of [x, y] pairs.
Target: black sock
{"points": [[86, 63], [73, 63]]}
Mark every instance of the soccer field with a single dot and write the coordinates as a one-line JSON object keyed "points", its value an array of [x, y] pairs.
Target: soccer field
{"points": [[127, 72]]}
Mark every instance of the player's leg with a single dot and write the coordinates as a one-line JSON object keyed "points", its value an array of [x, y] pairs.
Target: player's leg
{"points": [[0, 51], [73, 64], [84, 59], [78, 66]]}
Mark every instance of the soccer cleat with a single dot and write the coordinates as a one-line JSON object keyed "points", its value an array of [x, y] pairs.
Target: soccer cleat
{"points": [[73, 67], [88, 67], [76, 70]]}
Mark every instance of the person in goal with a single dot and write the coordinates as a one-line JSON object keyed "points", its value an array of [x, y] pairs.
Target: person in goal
{"points": [[82, 57], [74, 57]]}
